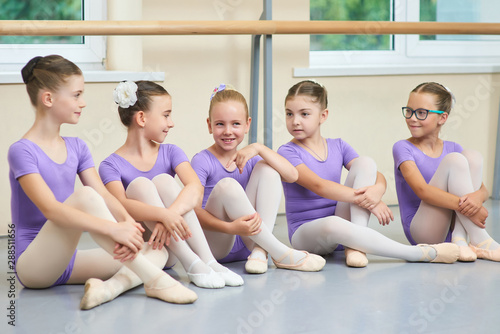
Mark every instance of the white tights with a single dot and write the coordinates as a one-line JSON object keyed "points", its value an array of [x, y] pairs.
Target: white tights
{"points": [[48, 255], [322, 236], [458, 174], [228, 201], [162, 192]]}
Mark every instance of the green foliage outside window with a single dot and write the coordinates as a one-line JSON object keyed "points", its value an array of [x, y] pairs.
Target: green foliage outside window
{"points": [[41, 10], [350, 10], [428, 14]]}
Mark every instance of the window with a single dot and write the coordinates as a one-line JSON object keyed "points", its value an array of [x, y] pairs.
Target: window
{"points": [[391, 54], [351, 10], [87, 51]]}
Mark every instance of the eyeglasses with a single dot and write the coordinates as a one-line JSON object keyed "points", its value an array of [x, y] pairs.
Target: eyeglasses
{"points": [[420, 113]]}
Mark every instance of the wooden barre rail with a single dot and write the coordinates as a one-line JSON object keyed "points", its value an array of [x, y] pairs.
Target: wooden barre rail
{"points": [[109, 28]]}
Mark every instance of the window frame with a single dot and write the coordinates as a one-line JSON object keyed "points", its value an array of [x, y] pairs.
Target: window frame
{"points": [[89, 56], [410, 54]]}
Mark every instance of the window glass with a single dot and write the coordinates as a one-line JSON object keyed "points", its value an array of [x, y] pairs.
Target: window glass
{"points": [[351, 10], [88, 52], [459, 11], [41, 10]]}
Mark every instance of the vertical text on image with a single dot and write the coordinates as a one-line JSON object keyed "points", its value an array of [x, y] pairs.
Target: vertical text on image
{"points": [[11, 276]]}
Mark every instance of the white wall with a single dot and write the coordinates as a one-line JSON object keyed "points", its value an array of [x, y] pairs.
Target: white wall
{"points": [[365, 111]]}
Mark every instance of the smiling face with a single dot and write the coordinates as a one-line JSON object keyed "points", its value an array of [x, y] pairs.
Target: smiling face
{"points": [[432, 124], [304, 117], [67, 102], [158, 120], [228, 123]]}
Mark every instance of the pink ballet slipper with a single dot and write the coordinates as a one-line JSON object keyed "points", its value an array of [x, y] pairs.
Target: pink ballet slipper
{"points": [[256, 265], [485, 253], [446, 252], [466, 252], [355, 258], [176, 293], [311, 262]]}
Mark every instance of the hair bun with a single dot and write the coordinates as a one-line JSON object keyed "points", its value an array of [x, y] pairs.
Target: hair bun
{"points": [[27, 71]]}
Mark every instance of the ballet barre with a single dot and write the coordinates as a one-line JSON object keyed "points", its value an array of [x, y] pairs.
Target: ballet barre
{"points": [[259, 27]]}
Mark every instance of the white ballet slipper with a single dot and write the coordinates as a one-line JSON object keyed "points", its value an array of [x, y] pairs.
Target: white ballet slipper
{"points": [[210, 280], [230, 277]]}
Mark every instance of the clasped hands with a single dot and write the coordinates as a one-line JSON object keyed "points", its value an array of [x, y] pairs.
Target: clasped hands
{"points": [[369, 198]]}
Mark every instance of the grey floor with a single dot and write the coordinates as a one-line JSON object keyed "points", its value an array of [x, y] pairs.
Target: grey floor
{"points": [[388, 296]]}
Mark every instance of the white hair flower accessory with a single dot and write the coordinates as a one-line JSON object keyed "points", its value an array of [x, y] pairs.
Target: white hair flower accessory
{"points": [[125, 94]]}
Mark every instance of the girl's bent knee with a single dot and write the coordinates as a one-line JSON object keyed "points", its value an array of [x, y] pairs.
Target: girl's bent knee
{"points": [[455, 158], [162, 179], [364, 162], [456, 161], [474, 158], [228, 187], [263, 170], [85, 197], [85, 192], [139, 184], [139, 181]]}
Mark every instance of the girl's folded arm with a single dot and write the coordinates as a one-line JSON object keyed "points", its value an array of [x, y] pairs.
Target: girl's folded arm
{"points": [[210, 222], [139, 210], [324, 188], [427, 193], [280, 164]]}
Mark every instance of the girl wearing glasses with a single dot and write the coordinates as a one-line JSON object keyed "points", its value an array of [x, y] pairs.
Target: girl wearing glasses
{"points": [[439, 184], [323, 213]]}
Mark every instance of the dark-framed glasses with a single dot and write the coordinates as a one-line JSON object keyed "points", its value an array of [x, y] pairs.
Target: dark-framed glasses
{"points": [[420, 113]]}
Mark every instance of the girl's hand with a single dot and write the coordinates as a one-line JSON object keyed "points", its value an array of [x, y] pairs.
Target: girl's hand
{"points": [[479, 218], [383, 213], [176, 226], [128, 236], [159, 236], [247, 225], [470, 204], [123, 253], [367, 197], [241, 157]]}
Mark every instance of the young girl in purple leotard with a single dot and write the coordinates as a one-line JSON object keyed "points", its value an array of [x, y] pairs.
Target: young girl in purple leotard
{"points": [[321, 212], [243, 191], [50, 215], [439, 184], [141, 175]]}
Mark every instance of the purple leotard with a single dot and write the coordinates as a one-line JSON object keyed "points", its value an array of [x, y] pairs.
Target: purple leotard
{"points": [[210, 171], [409, 202], [301, 204], [116, 168], [25, 157]]}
